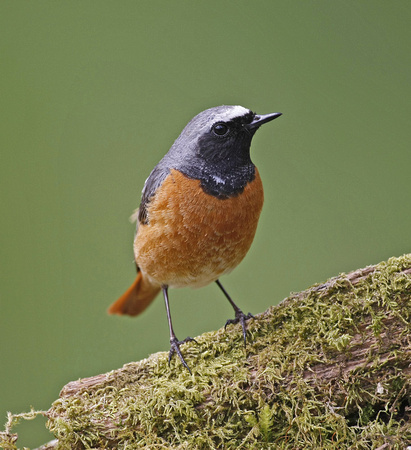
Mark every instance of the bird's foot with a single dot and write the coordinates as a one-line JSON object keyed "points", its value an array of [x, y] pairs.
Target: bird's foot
{"points": [[175, 348], [240, 317]]}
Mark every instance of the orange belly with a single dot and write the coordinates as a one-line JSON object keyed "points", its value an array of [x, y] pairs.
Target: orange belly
{"points": [[193, 238]]}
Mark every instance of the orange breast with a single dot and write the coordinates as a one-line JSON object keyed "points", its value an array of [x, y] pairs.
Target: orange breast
{"points": [[193, 238]]}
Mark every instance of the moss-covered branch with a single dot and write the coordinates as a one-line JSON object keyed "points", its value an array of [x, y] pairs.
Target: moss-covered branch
{"points": [[327, 368]]}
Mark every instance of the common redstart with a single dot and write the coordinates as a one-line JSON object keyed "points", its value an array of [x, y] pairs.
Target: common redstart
{"points": [[198, 213]]}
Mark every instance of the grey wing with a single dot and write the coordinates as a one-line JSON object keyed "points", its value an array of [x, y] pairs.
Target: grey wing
{"points": [[153, 182]]}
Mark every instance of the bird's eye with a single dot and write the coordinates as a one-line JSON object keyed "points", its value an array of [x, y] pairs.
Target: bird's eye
{"points": [[220, 129]]}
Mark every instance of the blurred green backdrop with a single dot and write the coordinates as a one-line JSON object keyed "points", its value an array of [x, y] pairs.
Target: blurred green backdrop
{"points": [[92, 96]]}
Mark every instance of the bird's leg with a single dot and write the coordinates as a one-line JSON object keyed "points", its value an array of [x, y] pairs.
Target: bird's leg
{"points": [[174, 342], [239, 315]]}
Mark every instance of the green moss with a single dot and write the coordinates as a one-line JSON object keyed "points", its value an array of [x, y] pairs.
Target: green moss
{"points": [[7, 438], [327, 368]]}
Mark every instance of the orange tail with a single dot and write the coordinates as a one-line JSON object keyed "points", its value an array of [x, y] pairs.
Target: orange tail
{"points": [[137, 297]]}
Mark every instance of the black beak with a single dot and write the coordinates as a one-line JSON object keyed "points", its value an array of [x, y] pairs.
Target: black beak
{"points": [[260, 119]]}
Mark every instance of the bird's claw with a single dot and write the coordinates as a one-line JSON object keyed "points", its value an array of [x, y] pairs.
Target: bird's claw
{"points": [[175, 348], [240, 317]]}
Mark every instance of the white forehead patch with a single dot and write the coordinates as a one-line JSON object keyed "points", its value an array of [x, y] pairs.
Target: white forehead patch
{"points": [[205, 119], [231, 112]]}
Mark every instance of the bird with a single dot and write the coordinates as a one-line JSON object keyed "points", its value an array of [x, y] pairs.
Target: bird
{"points": [[198, 213]]}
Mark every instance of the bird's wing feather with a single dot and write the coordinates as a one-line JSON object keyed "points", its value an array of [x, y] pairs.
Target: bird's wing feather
{"points": [[153, 182]]}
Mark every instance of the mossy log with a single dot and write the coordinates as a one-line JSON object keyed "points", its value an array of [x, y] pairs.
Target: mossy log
{"points": [[329, 367]]}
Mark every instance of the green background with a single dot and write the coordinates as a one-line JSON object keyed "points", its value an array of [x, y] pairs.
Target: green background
{"points": [[93, 93]]}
